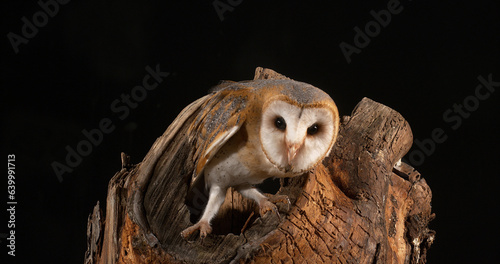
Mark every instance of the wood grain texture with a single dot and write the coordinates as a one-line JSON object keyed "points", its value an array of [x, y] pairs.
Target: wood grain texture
{"points": [[355, 207]]}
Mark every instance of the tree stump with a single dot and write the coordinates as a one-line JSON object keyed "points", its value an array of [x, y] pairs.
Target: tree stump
{"points": [[361, 205]]}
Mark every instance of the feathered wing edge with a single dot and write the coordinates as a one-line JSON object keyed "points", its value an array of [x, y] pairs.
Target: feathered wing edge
{"points": [[147, 167], [221, 117], [179, 156]]}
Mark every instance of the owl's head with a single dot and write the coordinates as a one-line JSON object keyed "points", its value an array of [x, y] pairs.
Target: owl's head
{"points": [[299, 126]]}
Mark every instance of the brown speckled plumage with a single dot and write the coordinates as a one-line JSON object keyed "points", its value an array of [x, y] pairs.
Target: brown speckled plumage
{"points": [[237, 141]]}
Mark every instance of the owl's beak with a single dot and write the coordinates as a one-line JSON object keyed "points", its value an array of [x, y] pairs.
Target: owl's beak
{"points": [[292, 152]]}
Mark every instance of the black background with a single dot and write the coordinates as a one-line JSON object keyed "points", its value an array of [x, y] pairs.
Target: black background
{"points": [[427, 59]]}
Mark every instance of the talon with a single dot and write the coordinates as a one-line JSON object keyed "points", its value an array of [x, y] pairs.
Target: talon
{"points": [[269, 204], [202, 226], [266, 206], [279, 199]]}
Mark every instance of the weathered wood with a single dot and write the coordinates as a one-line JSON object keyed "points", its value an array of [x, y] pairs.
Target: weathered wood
{"points": [[262, 74], [359, 206], [94, 235]]}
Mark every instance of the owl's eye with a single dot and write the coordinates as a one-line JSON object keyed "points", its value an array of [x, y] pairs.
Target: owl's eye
{"points": [[313, 129], [280, 123]]}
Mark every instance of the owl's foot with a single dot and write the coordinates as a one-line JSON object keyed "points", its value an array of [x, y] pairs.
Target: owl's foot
{"points": [[265, 205], [203, 226], [268, 204], [278, 198]]}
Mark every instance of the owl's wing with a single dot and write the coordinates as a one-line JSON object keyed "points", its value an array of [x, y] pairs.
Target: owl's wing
{"points": [[222, 116]]}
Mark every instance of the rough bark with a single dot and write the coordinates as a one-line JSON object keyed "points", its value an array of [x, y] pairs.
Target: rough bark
{"points": [[359, 206]]}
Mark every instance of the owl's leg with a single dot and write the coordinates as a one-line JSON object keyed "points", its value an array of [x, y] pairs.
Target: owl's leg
{"points": [[215, 200], [263, 201]]}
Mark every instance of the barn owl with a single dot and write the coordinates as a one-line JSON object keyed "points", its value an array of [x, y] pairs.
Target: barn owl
{"points": [[253, 130]]}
